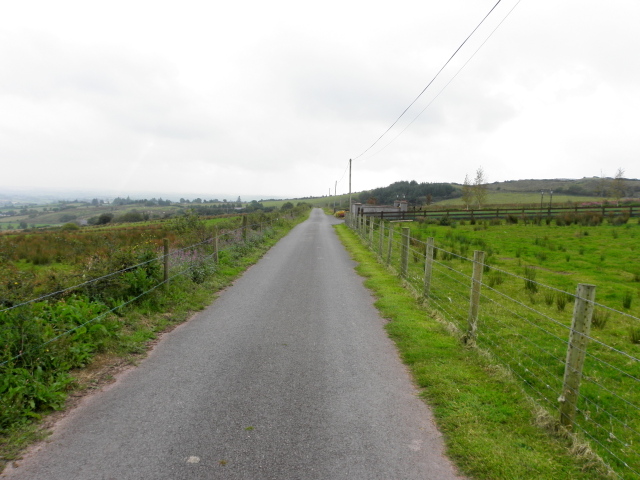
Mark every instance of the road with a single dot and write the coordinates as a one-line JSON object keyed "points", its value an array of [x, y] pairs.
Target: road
{"points": [[289, 374]]}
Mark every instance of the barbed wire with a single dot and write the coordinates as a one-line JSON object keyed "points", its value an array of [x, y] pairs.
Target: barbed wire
{"points": [[119, 306]]}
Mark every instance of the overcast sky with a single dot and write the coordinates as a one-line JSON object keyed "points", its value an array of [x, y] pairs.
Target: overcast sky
{"points": [[273, 98]]}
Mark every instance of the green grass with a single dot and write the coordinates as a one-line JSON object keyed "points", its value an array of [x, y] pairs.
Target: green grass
{"points": [[526, 198], [489, 424], [525, 326]]}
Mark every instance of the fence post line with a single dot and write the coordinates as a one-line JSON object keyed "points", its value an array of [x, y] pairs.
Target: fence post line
{"points": [[390, 245], [404, 265], [428, 266], [216, 257], [371, 227], [245, 222], [381, 241], [576, 352], [474, 301], [165, 244]]}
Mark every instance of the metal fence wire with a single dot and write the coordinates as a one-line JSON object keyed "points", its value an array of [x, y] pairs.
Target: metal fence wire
{"points": [[527, 327]]}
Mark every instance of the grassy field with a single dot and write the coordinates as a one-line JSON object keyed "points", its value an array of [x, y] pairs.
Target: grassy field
{"points": [[530, 277], [519, 198], [491, 429]]}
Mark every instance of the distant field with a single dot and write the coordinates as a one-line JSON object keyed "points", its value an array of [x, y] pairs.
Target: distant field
{"points": [[507, 198]]}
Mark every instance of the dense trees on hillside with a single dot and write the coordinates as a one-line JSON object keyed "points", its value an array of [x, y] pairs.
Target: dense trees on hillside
{"points": [[414, 192]]}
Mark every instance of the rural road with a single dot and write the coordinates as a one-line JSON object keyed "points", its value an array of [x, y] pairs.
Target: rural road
{"points": [[289, 374]]}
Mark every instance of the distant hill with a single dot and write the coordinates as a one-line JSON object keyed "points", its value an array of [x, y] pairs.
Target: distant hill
{"points": [[508, 192], [588, 186]]}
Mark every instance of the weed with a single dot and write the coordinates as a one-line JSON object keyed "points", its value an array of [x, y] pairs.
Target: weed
{"points": [[627, 297], [634, 335], [530, 284], [600, 318], [561, 302], [549, 297], [495, 278]]}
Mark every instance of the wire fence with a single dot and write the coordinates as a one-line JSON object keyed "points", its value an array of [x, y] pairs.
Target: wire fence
{"points": [[528, 327], [178, 262]]}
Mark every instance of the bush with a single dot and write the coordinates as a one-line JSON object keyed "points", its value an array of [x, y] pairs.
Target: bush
{"points": [[104, 218], [70, 226]]}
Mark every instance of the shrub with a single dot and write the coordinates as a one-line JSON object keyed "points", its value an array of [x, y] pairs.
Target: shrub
{"points": [[70, 226], [104, 218]]}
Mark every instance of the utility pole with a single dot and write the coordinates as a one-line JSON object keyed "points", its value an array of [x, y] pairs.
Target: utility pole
{"points": [[335, 188], [349, 186]]}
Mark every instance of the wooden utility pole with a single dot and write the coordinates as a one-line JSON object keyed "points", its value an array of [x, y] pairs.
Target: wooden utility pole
{"points": [[350, 187]]}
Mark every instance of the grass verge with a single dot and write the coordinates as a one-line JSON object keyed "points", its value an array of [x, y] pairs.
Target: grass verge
{"points": [[491, 428]]}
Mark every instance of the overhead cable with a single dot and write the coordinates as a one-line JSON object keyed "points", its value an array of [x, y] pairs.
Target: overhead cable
{"points": [[432, 80]]}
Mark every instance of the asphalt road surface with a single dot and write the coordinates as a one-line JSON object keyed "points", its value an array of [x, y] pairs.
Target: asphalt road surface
{"points": [[289, 374]]}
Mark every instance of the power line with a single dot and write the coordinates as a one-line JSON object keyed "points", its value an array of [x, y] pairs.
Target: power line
{"points": [[451, 80], [432, 80]]}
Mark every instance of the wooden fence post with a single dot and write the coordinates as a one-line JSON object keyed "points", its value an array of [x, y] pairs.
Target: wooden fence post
{"points": [[428, 266], [165, 244], [371, 225], [381, 241], [245, 222], [216, 256], [404, 264], [390, 245], [576, 352], [474, 301]]}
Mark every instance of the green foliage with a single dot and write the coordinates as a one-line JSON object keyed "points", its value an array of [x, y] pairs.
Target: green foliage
{"points": [[104, 218], [413, 192], [70, 226]]}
